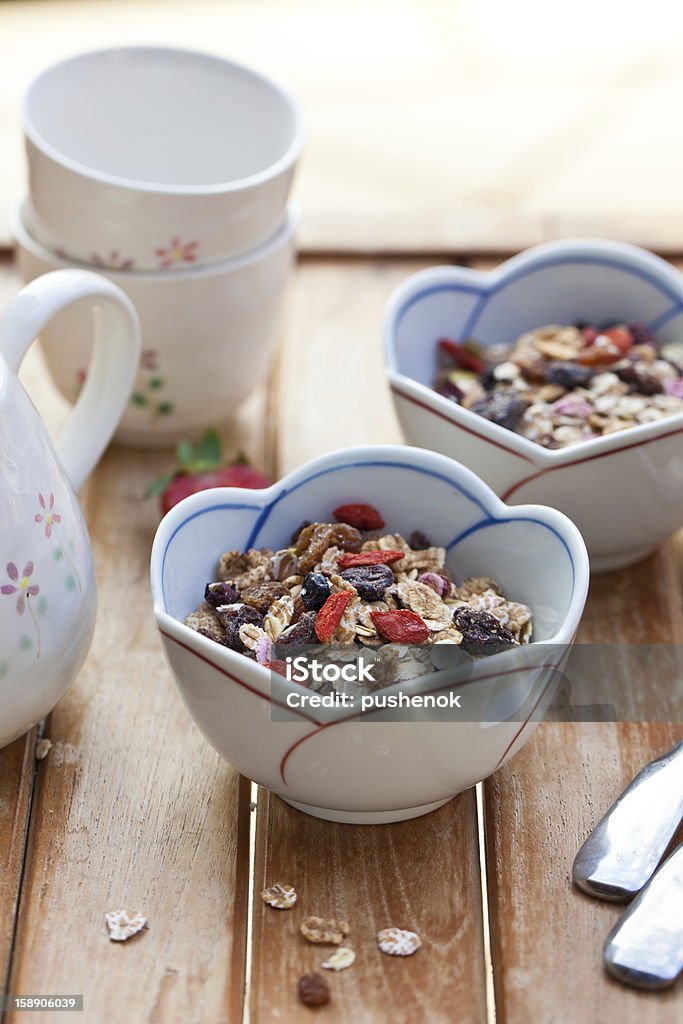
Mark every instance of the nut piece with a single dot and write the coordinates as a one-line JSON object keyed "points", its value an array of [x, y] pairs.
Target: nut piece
{"points": [[325, 930], [314, 990], [342, 958], [123, 924], [398, 942], [282, 897]]}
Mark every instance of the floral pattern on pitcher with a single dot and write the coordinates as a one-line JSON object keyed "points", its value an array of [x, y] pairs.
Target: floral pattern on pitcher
{"points": [[176, 252], [21, 587], [51, 518]]}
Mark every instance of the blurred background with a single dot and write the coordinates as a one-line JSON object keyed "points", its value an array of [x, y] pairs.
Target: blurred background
{"points": [[434, 125]]}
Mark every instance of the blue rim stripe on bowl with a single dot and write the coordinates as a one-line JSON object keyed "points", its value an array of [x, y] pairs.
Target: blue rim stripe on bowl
{"points": [[488, 520], [485, 293]]}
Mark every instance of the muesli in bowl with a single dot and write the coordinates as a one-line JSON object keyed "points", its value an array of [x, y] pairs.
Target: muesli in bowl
{"points": [[349, 582], [540, 441], [560, 385], [328, 759]]}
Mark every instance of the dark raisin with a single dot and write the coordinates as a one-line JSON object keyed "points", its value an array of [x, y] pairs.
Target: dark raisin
{"points": [[487, 378], [504, 407], [262, 595], [219, 593], [638, 378], [295, 536], [314, 990], [302, 632], [369, 581], [642, 336], [211, 636], [315, 591], [482, 633], [447, 389], [419, 541], [569, 375], [233, 620]]}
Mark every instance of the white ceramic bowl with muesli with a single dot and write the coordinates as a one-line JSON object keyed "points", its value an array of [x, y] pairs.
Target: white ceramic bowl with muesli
{"points": [[520, 572], [619, 476]]}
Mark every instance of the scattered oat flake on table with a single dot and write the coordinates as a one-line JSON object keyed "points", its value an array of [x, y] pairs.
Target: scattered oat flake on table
{"points": [[282, 897], [398, 942], [325, 930], [123, 924], [342, 958], [43, 749]]}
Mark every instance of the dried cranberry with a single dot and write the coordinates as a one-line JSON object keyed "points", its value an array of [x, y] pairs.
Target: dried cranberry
{"points": [[419, 541], [460, 355], [315, 591], [369, 581], [302, 632], [220, 593], [482, 633], [569, 375], [233, 620], [314, 990], [504, 407], [363, 517], [638, 378]]}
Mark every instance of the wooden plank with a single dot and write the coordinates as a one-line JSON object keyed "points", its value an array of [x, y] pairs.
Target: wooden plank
{"points": [[546, 937], [134, 809], [422, 875], [17, 770]]}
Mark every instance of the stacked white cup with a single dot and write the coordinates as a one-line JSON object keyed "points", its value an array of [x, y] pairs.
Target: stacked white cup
{"points": [[169, 172]]}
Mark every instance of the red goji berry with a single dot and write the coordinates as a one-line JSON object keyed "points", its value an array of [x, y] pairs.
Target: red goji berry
{"points": [[363, 517], [349, 559], [460, 355], [401, 627], [330, 615]]}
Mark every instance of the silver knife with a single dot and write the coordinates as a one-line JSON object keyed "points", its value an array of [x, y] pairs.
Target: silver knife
{"points": [[623, 850], [645, 947]]}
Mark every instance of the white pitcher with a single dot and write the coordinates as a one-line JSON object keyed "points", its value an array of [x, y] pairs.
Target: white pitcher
{"points": [[47, 586]]}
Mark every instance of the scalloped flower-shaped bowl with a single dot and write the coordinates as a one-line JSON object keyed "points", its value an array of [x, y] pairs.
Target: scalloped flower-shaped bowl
{"points": [[624, 491], [356, 768]]}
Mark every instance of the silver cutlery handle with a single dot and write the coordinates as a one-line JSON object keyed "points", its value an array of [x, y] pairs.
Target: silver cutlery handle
{"points": [[645, 948], [623, 850]]}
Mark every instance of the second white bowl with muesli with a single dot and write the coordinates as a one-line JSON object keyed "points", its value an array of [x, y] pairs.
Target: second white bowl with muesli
{"points": [[391, 554], [588, 419]]}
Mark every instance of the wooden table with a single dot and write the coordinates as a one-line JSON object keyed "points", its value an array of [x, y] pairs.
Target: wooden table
{"points": [[132, 808]]}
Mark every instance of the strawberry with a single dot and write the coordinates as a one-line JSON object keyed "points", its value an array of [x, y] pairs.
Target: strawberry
{"points": [[201, 468]]}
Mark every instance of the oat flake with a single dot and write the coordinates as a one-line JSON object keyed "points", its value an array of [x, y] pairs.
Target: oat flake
{"points": [[398, 942], [123, 924], [43, 748], [340, 959], [325, 930], [282, 897]]}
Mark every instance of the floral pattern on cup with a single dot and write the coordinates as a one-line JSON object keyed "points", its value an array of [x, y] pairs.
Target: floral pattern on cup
{"points": [[177, 252], [112, 261], [148, 386]]}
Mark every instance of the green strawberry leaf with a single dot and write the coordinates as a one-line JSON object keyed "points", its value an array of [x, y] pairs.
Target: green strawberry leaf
{"points": [[209, 449], [185, 452], [159, 485]]}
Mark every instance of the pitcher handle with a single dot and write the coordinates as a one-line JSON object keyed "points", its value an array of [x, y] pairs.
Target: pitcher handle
{"points": [[113, 365]]}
